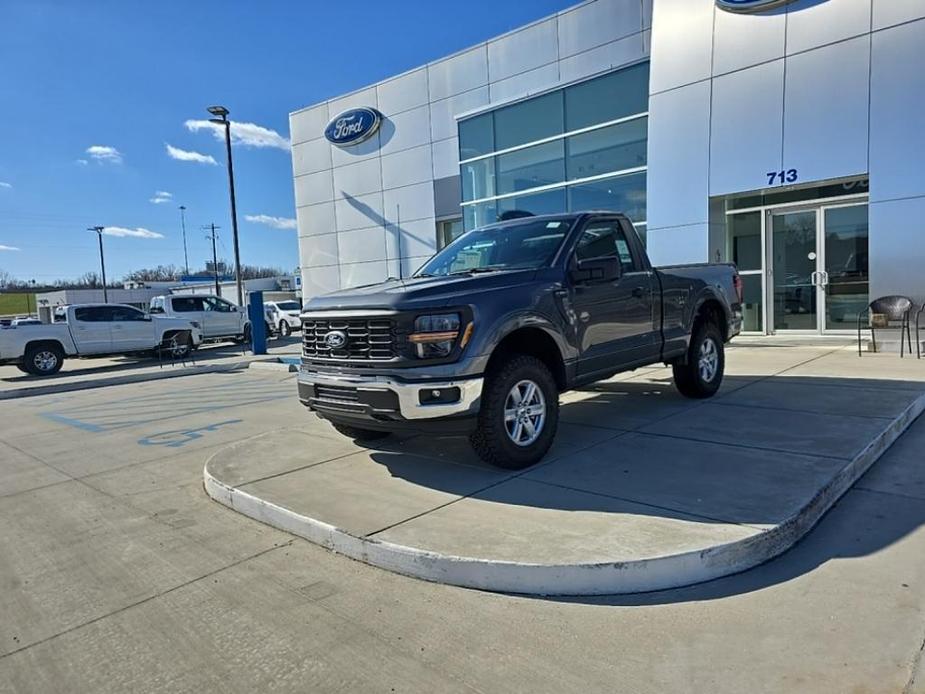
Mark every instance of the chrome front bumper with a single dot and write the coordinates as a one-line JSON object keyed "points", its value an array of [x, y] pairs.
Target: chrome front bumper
{"points": [[408, 394]]}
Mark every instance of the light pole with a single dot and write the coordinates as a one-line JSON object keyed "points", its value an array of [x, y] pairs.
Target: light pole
{"points": [[34, 300], [221, 118], [99, 233], [183, 226]]}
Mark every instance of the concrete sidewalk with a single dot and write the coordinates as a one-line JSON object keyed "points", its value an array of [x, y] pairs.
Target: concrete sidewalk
{"points": [[643, 490]]}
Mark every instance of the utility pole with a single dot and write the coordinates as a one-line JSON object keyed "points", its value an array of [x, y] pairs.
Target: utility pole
{"points": [[221, 118], [212, 235], [183, 226], [99, 233]]}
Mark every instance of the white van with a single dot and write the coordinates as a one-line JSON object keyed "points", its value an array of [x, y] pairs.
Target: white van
{"points": [[219, 319]]}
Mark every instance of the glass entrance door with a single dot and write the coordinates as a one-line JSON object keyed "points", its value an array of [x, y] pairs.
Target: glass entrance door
{"points": [[817, 267], [794, 270], [845, 274]]}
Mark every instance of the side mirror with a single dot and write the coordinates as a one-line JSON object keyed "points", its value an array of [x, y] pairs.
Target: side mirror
{"points": [[591, 270]]}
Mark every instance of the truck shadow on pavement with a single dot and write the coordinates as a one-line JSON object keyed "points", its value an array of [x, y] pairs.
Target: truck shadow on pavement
{"points": [[753, 456]]}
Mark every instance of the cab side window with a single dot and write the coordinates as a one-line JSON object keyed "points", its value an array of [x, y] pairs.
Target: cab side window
{"points": [[93, 314], [605, 240], [188, 304], [218, 305], [126, 313]]}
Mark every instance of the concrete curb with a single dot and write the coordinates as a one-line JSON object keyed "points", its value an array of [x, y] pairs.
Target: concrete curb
{"points": [[645, 575], [53, 388], [273, 366]]}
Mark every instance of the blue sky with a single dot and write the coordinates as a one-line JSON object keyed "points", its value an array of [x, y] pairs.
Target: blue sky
{"points": [[93, 92]]}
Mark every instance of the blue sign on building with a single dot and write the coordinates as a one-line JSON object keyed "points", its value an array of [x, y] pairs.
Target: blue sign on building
{"points": [[353, 126]]}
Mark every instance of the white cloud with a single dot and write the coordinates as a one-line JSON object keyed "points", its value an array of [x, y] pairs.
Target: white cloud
{"points": [[105, 154], [246, 134], [183, 155], [275, 222], [137, 232], [161, 196], [4, 184], [8, 248]]}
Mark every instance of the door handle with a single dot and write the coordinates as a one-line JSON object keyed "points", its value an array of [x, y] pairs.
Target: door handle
{"points": [[638, 292], [814, 278]]}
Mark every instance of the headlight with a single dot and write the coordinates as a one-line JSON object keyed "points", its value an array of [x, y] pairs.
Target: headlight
{"points": [[435, 335]]}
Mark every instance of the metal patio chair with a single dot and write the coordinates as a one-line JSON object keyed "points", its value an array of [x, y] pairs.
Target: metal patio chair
{"points": [[890, 309], [177, 347], [918, 340]]}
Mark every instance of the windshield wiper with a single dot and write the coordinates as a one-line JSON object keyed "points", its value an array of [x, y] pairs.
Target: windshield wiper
{"points": [[479, 270]]}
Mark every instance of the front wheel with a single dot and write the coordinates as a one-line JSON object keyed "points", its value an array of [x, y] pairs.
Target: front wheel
{"points": [[43, 360], [285, 330], [702, 373], [519, 414]]}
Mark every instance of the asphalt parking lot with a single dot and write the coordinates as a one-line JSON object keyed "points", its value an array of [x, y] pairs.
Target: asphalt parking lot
{"points": [[119, 574]]}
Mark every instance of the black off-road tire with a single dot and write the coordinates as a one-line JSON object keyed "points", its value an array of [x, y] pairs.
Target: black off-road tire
{"points": [[22, 368], [358, 433], [490, 438], [32, 359], [688, 377]]}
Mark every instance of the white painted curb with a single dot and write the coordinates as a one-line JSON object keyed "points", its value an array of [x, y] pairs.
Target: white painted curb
{"points": [[611, 578]]}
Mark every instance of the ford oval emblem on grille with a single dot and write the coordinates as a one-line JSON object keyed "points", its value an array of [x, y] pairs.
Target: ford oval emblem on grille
{"points": [[335, 339]]}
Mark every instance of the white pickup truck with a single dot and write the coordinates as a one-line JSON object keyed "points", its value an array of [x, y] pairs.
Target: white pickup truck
{"points": [[93, 330], [219, 319]]}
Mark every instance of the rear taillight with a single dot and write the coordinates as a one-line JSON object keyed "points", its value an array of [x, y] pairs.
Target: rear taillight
{"points": [[737, 283]]}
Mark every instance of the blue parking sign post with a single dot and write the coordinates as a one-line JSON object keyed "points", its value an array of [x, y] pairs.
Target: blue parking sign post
{"points": [[258, 323]]}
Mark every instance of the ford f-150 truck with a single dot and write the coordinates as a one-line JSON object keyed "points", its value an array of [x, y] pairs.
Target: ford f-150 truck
{"points": [[93, 330], [483, 338]]}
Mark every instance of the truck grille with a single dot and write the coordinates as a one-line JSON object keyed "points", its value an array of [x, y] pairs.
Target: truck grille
{"points": [[367, 339]]}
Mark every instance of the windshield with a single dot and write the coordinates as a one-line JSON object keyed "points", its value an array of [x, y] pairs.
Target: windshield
{"points": [[289, 306], [524, 245]]}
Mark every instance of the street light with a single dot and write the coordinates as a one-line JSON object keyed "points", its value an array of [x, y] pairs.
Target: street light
{"points": [[99, 233], [221, 118]]}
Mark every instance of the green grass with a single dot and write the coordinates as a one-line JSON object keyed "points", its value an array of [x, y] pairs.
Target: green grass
{"points": [[16, 303]]}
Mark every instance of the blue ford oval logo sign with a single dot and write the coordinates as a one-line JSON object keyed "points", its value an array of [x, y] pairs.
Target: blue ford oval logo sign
{"points": [[750, 5], [353, 126]]}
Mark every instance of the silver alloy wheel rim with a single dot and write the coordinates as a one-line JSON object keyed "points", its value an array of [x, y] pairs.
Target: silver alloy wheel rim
{"points": [[45, 360], [524, 413], [708, 362]]}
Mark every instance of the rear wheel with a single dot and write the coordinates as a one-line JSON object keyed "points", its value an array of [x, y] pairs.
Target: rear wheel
{"points": [[43, 360], [285, 330], [702, 374], [519, 414], [358, 433]]}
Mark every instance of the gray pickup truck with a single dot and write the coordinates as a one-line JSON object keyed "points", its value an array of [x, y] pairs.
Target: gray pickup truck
{"points": [[483, 338]]}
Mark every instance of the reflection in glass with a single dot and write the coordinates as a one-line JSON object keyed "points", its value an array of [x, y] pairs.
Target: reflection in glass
{"points": [[743, 240], [846, 262], [476, 136], [532, 167], [478, 179], [480, 214], [616, 95], [529, 120], [753, 304], [613, 148], [794, 248], [548, 202], [626, 194]]}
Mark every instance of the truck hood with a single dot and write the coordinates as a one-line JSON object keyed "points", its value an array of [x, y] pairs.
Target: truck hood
{"points": [[418, 292]]}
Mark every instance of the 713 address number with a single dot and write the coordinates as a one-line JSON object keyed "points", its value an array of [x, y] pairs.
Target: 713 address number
{"points": [[782, 177]]}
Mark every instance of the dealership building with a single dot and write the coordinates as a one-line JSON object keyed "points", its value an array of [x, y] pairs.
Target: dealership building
{"points": [[783, 136]]}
